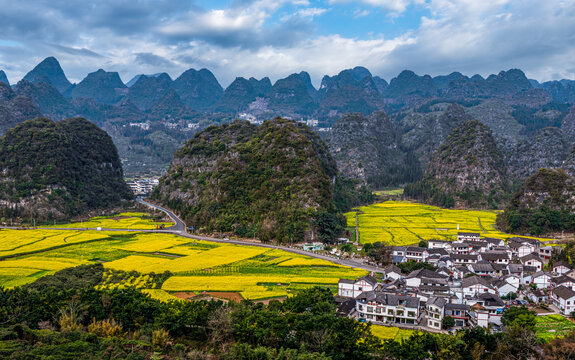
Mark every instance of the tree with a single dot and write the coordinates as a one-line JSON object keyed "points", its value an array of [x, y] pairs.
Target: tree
{"points": [[448, 322], [519, 315], [379, 252], [423, 244], [328, 226]]}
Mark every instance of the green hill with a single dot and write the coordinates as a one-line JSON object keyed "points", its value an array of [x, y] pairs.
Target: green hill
{"points": [[267, 181], [55, 170]]}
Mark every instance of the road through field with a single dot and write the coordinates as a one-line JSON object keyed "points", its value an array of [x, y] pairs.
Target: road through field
{"points": [[180, 229]]}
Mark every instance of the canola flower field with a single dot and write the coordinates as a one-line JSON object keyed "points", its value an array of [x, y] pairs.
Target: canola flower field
{"points": [[194, 266], [404, 223], [126, 220], [391, 332]]}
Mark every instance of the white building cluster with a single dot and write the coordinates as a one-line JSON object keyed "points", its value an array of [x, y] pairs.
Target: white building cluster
{"points": [[472, 276], [142, 186]]}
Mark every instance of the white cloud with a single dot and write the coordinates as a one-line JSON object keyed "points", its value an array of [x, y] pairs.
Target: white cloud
{"points": [[395, 6]]}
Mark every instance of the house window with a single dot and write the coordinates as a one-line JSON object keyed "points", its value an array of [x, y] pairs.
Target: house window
{"points": [[369, 309], [411, 313], [390, 312], [568, 302], [360, 288], [400, 313], [378, 310]]}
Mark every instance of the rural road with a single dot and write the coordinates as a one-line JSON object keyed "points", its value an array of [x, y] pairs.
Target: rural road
{"points": [[180, 229]]}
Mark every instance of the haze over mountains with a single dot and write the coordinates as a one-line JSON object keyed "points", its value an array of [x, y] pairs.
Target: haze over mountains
{"points": [[153, 115]]}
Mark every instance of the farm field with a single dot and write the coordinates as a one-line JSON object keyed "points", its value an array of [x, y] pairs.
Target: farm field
{"points": [[135, 259], [127, 220], [549, 327], [405, 223], [391, 332]]}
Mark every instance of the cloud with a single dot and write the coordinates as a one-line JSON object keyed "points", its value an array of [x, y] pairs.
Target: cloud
{"points": [[394, 6], [257, 38], [153, 60]]}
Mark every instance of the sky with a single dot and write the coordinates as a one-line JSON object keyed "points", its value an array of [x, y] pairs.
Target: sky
{"points": [[275, 38]]}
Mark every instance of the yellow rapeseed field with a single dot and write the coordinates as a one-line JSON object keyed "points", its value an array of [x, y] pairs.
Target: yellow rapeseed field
{"points": [[254, 272], [131, 220], [404, 223], [390, 332]]}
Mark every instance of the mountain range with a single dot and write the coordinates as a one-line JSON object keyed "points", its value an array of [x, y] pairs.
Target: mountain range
{"points": [[533, 123]]}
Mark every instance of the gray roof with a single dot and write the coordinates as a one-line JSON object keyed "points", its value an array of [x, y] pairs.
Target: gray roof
{"points": [[474, 280], [415, 249], [492, 240], [467, 234], [436, 301], [481, 267], [440, 251], [346, 281], [491, 299], [456, 307], [540, 273], [563, 279], [369, 279], [463, 256], [515, 268], [392, 268], [389, 299], [529, 268], [524, 240], [563, 292], [530, 257], [559, 263], [494, 255], [425, 273]]}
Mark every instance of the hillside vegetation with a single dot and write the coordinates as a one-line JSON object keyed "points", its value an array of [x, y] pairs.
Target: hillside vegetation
{"points": [[268, 181], [545, 203], [57, 170], [467, 170]]}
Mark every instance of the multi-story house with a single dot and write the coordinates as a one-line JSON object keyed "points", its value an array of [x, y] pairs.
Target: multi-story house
{"points": [[468, 236], [564, 298], [387, 308]]}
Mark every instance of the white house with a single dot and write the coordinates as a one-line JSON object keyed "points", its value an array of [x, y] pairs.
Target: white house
{"points": [[352, 289], [561, 268], [414, 253], [476, 285], [520, 249], [387, 308], [495, 257], [564, 299], [467, 236], [460, 248], [564, 280], [504, 288], [541, 279], [463, 259], [434, 309], [392, 272], [439, 244], [532, 260]]}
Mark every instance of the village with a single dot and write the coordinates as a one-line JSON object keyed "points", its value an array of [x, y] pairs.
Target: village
{"points": [[474, 281]]}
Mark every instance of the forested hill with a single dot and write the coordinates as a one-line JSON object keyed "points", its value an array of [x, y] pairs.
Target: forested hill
{"points": [[467, 170], [269, 181], [54, 170], [545, 203]]}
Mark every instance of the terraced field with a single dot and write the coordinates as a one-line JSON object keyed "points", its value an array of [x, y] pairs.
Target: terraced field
{"points": [[195, 266], [549, 327], [404, 223]]}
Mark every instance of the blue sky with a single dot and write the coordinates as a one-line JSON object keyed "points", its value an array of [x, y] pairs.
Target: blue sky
{"points": [[276, 38]]}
